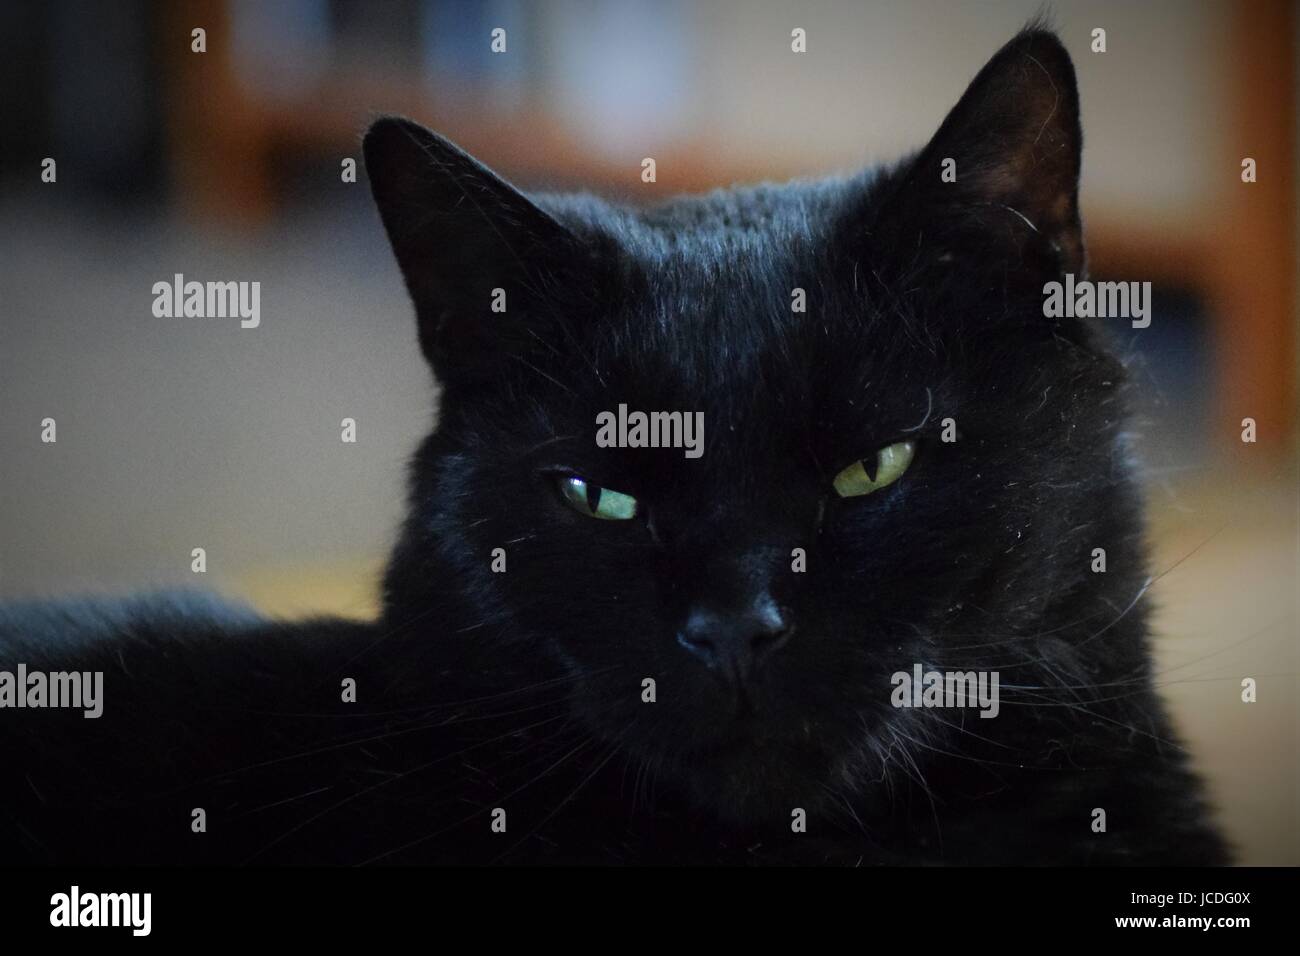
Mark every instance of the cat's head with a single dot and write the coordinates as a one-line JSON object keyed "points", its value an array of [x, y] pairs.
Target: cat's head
{"points": [[896, 442]]}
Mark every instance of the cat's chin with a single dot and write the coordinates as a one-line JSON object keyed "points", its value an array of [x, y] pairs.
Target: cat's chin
{"points": [[749, 784]]}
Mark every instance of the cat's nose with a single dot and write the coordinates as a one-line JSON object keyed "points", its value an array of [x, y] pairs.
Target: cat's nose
{"points": [[735, 642]]}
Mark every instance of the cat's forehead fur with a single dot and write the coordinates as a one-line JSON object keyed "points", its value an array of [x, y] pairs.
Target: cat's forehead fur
{"points": [[743, 304], [720, 287], [700, 238]]}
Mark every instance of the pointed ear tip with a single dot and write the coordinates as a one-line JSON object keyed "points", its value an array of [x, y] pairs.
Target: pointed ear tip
{"points": [[377, 136], [396, 132], [395, 145], [1044, 46], [387, 128]]}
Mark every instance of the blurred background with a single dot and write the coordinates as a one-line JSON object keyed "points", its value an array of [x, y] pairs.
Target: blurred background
{"points": [[226, 165]]}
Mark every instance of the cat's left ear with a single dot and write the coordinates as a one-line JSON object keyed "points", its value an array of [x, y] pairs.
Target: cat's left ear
{"points": [[1002, 173], [484, 265]]}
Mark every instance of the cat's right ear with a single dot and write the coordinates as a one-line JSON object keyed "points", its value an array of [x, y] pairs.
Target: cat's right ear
{"points": [[477, 255], [997, 186]]}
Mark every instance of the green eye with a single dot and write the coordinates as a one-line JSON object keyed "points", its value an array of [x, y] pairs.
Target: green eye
{"points": [[889, 464], [595, 501]]}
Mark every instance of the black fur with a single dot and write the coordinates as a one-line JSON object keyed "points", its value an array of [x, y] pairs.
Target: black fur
{"points": [[523, 690]]}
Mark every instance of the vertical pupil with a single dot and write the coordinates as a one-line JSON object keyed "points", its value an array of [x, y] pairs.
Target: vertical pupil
{"points": [[872, 467], [593, 497]]}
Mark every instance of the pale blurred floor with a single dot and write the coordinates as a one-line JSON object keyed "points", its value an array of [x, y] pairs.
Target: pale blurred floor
{"points": [[1227, 612], [344, 589]]}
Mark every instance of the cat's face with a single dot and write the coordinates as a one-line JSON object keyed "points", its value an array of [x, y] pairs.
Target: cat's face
{"points": [[882, 401]]}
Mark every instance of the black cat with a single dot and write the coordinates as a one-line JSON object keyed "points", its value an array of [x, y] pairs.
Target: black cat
{"points": [[626, 654]]}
